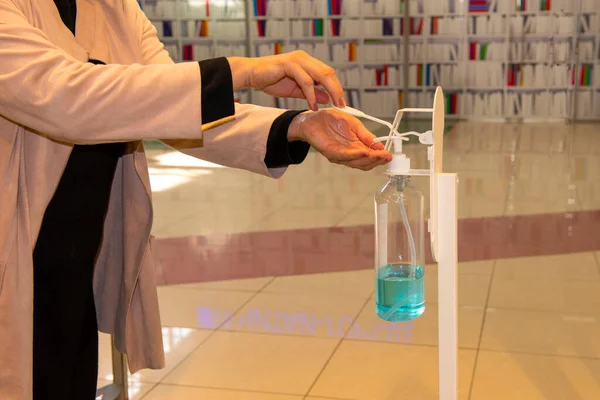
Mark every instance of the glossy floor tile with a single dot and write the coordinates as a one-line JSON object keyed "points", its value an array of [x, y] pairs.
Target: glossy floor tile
{"points": [[177, 342], [240, 285], [172, 392], [567, 267], [137, 390], [317, 315], [423, 330], [356, 284], [194, 308], [473, 289], [376, 371], [538, 293], [541, 332], [501, 376], [255, 362]]}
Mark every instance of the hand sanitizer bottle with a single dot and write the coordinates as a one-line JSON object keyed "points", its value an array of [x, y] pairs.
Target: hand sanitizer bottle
{"points": [[399, 243]]}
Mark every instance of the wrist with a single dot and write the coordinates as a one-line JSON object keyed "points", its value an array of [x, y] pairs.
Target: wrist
{"points": [[297, 127], [241, 69]]}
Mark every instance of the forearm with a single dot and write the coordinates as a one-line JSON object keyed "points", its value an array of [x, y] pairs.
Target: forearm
{"points": [[241, 68], [241, 143]]}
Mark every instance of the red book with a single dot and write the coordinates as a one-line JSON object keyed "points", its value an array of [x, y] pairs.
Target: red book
{"points": [[385, 75], [208, 8], [377, 77], [454, 103]]}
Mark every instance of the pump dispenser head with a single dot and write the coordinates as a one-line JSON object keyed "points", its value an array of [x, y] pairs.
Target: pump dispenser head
{"points": [[400, 164]]}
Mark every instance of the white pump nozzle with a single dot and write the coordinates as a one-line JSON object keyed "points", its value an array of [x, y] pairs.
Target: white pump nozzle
{"points": [[397, 145]]}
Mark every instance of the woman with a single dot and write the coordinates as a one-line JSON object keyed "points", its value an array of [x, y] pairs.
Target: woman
{"points": [[81, 85]]}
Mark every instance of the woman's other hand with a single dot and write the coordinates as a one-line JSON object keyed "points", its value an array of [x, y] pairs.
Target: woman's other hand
{"points": [[341, 138], [294, 74]]}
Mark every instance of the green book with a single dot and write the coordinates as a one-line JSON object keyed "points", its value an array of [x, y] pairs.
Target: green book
{"points": [[483, 51]]}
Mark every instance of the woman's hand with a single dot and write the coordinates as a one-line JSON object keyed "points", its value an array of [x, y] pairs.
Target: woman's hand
{"points": [[289, 75], [340, 137]]}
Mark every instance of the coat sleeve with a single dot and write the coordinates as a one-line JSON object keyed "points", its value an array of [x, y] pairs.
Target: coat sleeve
{"points": [[241, 143], [64, 97]]}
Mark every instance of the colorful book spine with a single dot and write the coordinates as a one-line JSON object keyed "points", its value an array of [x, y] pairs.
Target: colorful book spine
{"points": [[382, 76], [334, 7], [585, 76], [511, 75], [478, 6], [335, 27], [167, 29], [317, 27], [416, 26], [435, 25], [203, 30], [188, 52], [387, 27], [352, 51], [262, 28], [545, 5], [259, 7], [420, 72], [478, 51], [451, 103]]}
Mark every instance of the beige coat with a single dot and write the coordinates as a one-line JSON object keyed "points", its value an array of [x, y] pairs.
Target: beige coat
{"points": [[50, 98]]}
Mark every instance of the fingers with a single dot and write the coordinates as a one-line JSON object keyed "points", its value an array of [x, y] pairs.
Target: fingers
{"points": [[324, 75], [360, 159], [296, 93], [305, 82], [346, 155], [383, 154], [367, 138], [322, 96], [327, 77], [364, 135], [365, 163]]}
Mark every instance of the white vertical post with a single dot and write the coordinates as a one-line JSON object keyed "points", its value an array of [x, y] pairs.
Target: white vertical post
{"points": [[447, 243]]}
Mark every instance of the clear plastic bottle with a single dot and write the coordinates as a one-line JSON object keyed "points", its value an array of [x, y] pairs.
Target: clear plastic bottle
{"points": [[399, 250]]}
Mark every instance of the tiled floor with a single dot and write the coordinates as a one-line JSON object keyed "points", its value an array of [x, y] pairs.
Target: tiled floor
{"points": [[301, 324]]}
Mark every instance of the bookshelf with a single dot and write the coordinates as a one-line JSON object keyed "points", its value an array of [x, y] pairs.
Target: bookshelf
{"points": [[194, 30], [498, 60]]}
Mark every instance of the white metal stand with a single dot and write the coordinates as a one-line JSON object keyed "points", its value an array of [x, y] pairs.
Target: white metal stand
{"points": [[443, 229], [444, 246], [447, 286]]}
